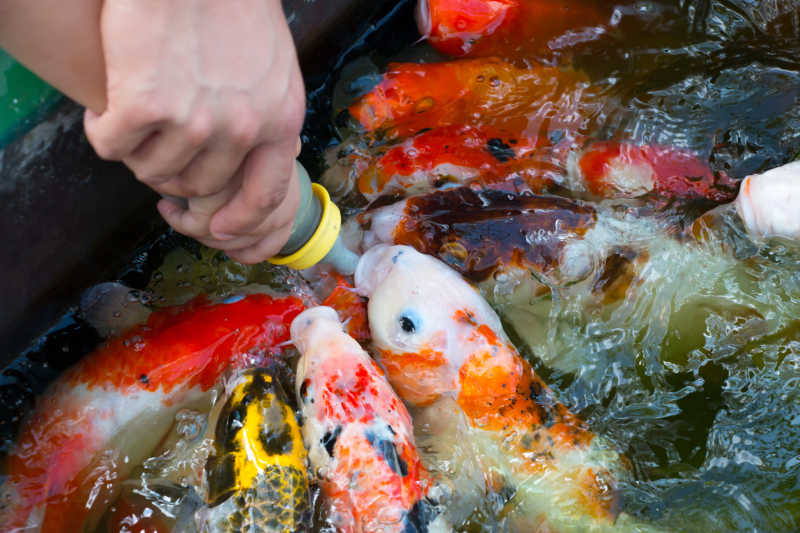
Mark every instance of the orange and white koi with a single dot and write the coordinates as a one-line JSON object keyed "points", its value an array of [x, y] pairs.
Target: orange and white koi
{"points": [[358, 433], [106, 414], [507, 28], [474, 92], [455, 351]]}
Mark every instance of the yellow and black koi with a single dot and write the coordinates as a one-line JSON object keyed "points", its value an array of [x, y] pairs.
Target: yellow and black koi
{"points": [[257, 480]]}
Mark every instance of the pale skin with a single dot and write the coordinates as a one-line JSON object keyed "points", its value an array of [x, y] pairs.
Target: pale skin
{"points": [[201, 99]]}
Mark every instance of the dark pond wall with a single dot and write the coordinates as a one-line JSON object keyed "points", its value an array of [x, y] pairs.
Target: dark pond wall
{"points": [[69, 219]]}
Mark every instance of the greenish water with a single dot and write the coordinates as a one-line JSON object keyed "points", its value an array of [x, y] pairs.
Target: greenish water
{"points": [[24, 99]]}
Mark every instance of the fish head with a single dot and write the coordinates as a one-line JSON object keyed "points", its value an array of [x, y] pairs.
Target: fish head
{"points": [[423, 317]]}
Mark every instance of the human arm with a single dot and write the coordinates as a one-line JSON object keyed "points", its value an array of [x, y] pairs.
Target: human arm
{"points": [[205, 101]]}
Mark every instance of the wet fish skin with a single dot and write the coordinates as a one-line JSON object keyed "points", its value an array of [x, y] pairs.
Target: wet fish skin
{"points": [[358, 433], [456, 351], [474, 92], [446, 156], [769, 203], [108, 413], [613, 169], [506, 28], [257, 477]]}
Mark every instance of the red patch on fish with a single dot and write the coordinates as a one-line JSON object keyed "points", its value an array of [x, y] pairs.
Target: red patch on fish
{"points": [[612, 169], [189, 345]]}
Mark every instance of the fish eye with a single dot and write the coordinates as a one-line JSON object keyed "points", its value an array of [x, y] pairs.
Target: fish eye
{"points": [[409, 322]]}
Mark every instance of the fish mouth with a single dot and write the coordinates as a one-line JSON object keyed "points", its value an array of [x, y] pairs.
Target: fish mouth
{"points": [[374, 267]]}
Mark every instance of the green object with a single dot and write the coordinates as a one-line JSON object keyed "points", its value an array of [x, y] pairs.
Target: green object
{"points": [[24, 99]]}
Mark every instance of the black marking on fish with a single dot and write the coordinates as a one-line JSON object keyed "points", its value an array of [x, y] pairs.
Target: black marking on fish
{"points": [[500, 150], [396, 256], [388, 451], [420, 517], [330, 438]]}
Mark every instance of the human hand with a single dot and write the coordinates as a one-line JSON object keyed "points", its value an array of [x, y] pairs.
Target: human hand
{"points": [[205, 101]]}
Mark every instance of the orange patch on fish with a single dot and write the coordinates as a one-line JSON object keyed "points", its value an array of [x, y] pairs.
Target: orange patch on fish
{"points": [[418, 377], [351, 308]]}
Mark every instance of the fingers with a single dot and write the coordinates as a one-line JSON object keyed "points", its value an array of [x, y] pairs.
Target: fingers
{"points": [[262, 240], [115, 135], [275, 230], [268, 173]]}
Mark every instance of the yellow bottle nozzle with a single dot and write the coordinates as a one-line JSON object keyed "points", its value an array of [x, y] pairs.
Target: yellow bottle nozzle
{"points": [[318, 213]]}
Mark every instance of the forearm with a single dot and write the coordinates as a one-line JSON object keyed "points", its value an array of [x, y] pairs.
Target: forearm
{"points": [[59, 41]]}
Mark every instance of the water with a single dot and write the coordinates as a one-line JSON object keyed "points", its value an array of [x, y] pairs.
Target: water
{"points": [[696, 379]]}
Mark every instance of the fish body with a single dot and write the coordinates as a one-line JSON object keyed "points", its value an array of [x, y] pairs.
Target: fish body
{"points": [[257, 478], [473, 92], [506, 28], [452, 155], [625, 170], [456, 350], [106, 414], [358, 433], [769, 203]]}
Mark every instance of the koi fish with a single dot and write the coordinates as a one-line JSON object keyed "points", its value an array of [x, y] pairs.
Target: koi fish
{"points": [[475, 92], [257, 478], [443, 156], [351, 307], [624, 170], [769, 203], [358, 433], [506, 28], [562, 475], [483, 233], [107, 413]]}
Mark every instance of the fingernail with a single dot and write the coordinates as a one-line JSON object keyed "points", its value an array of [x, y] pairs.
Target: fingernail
{"points": [[223, 236]]}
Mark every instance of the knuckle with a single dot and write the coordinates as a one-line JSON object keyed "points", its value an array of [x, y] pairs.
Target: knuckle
{"points": [[196, 186], [199, 129], [269, 199], [244, 129], [145, 111]]}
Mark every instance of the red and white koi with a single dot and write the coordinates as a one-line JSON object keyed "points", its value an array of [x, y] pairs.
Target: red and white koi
{"points": [[455, 351], [107, 414], [358, 433], [625, 170]]}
